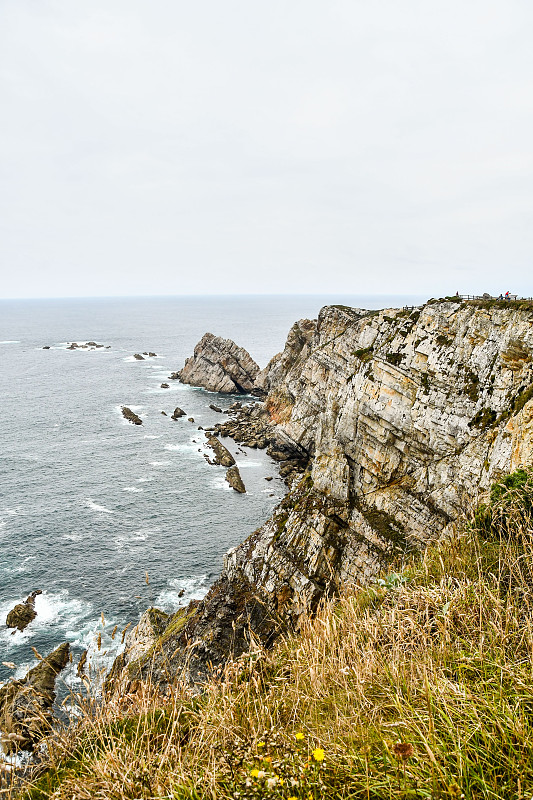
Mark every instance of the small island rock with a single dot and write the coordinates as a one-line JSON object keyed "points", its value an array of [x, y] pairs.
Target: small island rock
{"points": [[131, 416], [23, 613]]}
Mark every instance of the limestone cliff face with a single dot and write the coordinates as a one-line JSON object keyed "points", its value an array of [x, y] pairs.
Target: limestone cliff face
{"points": [[402, 417], [296, 350], [219, 365]]}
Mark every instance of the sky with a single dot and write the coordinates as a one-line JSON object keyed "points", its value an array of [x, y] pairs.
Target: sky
{"points": [[164, 147]]}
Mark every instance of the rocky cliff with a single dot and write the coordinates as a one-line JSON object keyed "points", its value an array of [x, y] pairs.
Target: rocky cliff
{"points": [[397, 420], [219, 365]]}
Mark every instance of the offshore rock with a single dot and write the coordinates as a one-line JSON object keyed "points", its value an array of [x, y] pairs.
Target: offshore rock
{"points": [[26, 705], [131, 416], [222, 454], [23, 613], [233, 477], [178, 412], [402, 418], [219, 365], [138, 356]]}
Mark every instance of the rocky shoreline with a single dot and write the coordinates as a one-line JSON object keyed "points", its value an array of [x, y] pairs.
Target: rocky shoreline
{"points": [[386, 425]]}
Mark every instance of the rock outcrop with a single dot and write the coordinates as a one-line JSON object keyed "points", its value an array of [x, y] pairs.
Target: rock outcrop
{"points": [[394, 420], [26, 705], [131, 416], [233, 477], [178, 412], [219, 365], [23, 613], [222, 454]]}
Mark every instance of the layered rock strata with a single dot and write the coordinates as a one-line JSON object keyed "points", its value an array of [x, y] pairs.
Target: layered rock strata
{"points": [[402, 417], [219, 365]]}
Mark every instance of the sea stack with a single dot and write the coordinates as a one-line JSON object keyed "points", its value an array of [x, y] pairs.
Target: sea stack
{"points": [[219, 365]]}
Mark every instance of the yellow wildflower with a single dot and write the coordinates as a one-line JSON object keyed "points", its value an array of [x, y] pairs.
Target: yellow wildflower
{"points": [[299, 736], [292, 797], [318, 754], [260, 744], [254, 773]]}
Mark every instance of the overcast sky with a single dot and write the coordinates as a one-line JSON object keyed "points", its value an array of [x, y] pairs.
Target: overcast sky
{"points": [[288, 146]]}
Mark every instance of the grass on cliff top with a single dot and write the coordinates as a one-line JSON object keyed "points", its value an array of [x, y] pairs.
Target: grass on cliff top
{"points": [[419, 686]]}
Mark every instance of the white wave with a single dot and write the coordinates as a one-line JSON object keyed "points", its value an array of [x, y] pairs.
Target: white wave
{"points": [[128, 539], [160, 463], [72, 537], [10, 341], [191, 447], [194, 588], [145, 479], [133, 408], [130, 358], [57, 609], [102, 643], [220, 482], [95, 507], [245, 464], [18, 569], [131, 489], [150, 436]]}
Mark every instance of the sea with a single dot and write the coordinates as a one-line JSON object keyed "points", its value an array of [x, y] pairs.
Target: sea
{"points": [[104, 517]]}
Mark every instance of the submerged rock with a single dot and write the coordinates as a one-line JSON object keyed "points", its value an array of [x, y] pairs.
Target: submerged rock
{"points": [[23, 613], [220, 365], [213, 407], [233, 477], [131, 416], [26, 705]]}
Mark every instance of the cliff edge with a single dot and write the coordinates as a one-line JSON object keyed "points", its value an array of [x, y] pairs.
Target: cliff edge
{"points": [[398, 419]]}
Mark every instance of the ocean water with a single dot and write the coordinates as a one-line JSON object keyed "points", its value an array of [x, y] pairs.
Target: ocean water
{"points": [[105, 517]]}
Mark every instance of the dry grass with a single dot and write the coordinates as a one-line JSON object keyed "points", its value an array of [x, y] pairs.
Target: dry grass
{"points": [[420, 686]]}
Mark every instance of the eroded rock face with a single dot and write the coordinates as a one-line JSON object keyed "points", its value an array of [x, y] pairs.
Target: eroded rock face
{"points": [[297, 348], [219, 365], [402, 418], [26, 705]]}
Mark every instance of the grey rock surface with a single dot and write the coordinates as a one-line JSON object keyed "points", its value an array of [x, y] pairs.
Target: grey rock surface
{"points": [[219, 365]]}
